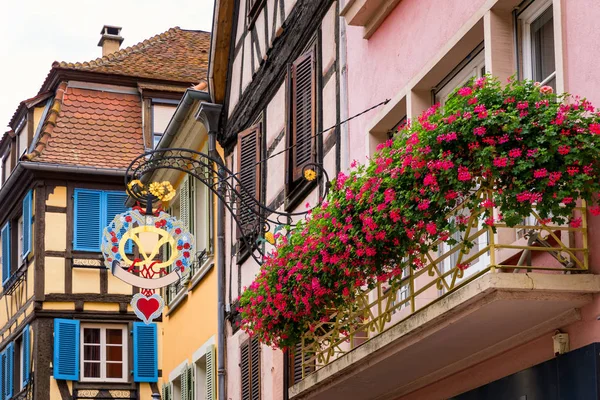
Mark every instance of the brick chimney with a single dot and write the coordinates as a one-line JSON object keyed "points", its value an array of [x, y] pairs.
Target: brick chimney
{"points": [[110, 39]]}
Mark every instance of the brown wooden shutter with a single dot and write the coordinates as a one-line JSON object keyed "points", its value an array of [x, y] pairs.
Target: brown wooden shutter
{"points": [[255, 367], [249, 151], [303, 86], [295, 364], [250, 368], [245, 370]]}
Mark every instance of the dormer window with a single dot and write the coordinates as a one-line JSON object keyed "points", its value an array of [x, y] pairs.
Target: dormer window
{"points": [[22, 141], [162, 112]]}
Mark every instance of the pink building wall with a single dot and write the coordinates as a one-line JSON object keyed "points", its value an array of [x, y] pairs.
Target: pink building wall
{"points": [[378, 68]]}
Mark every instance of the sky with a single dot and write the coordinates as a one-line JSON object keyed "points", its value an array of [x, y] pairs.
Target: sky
{"points": [[36, 33]]}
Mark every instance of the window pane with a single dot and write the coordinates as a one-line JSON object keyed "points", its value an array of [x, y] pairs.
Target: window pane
{"points": [[157, 138], [91, 370], [542, 46], [114, 370], [91, 335], [114, 353], [161, 116], [91, 353], [114, 336]]}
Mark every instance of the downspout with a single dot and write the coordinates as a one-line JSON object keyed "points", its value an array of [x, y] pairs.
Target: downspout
{"points": [[209, 114]]}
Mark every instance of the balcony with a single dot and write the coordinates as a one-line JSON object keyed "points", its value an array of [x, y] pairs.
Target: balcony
{"points": [[496, 289]]}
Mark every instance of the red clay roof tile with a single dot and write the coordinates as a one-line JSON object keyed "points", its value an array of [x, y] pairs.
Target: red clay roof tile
{"points": [[97, 129], [175, 55]]}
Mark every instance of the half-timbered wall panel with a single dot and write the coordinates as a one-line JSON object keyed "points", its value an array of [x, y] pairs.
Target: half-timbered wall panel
{"points": [[252, 45], [247, 72], [276, 143], [57, 197], [236, 77], [328, 40], [54, 275], [242, 22], [86, 280], [56, 233], [259, 39], [289, 5]]}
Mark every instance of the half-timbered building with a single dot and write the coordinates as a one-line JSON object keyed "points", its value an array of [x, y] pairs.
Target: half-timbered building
{"points": [[66, 327], [277, 67]]}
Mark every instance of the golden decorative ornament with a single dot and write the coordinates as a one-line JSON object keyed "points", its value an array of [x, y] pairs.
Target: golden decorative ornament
{"points": [[310, 175], [270, 238]]}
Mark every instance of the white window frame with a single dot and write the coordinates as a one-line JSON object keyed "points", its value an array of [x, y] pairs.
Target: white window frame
{"points": [[526, 18], [199, 368], [471, 69], [176, 388], [198, 358], [103, 328]]}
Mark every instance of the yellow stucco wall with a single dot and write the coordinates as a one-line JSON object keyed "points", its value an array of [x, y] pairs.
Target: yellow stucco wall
{"points": [[58, 198], [54, 275], [55, 237], [117, 286], [191, 324], [194, 321], [101, 307], [86, 280], [51, 305]]}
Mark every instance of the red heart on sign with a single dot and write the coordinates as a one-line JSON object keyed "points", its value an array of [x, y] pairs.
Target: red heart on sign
{"points": [[147, 307]]}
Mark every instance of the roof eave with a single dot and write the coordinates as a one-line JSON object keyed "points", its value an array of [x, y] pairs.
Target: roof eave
{"points": [[218, 62]]}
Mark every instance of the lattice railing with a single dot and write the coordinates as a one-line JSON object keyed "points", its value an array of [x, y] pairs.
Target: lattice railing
{"points": [[531, 246]]}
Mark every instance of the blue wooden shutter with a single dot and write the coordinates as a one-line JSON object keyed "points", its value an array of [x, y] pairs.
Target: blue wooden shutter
{"points": [[88, 224], [26, 362], [10, 357], [3, 374], [115, 204], [66, 349], [5, 252], [145, 353], [27, 224]]}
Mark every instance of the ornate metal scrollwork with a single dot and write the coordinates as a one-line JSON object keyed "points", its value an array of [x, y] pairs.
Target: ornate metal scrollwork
{"points": [[252, 218]]}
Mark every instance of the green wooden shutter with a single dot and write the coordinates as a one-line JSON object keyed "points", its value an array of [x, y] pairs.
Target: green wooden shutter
{"points": [[5, 233], [192, 381], [303, 86], [26, 362], [66, 349], [114, 204], [211, 392], [10, 360], [145, 352], [88, 222], [166, 391], [185, 385], [184, 203], [27, 222]]}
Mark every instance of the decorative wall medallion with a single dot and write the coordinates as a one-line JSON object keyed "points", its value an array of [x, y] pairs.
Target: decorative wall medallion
{"points": [[164, 251]]}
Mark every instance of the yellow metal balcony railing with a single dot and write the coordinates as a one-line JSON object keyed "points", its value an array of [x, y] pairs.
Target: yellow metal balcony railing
{"points": [[548, 248]]}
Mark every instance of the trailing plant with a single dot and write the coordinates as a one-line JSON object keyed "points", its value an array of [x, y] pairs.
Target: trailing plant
{"points": [[530, 147]]}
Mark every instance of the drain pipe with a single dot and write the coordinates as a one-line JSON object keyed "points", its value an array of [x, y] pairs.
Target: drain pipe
{"points": [[209, 114]]}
